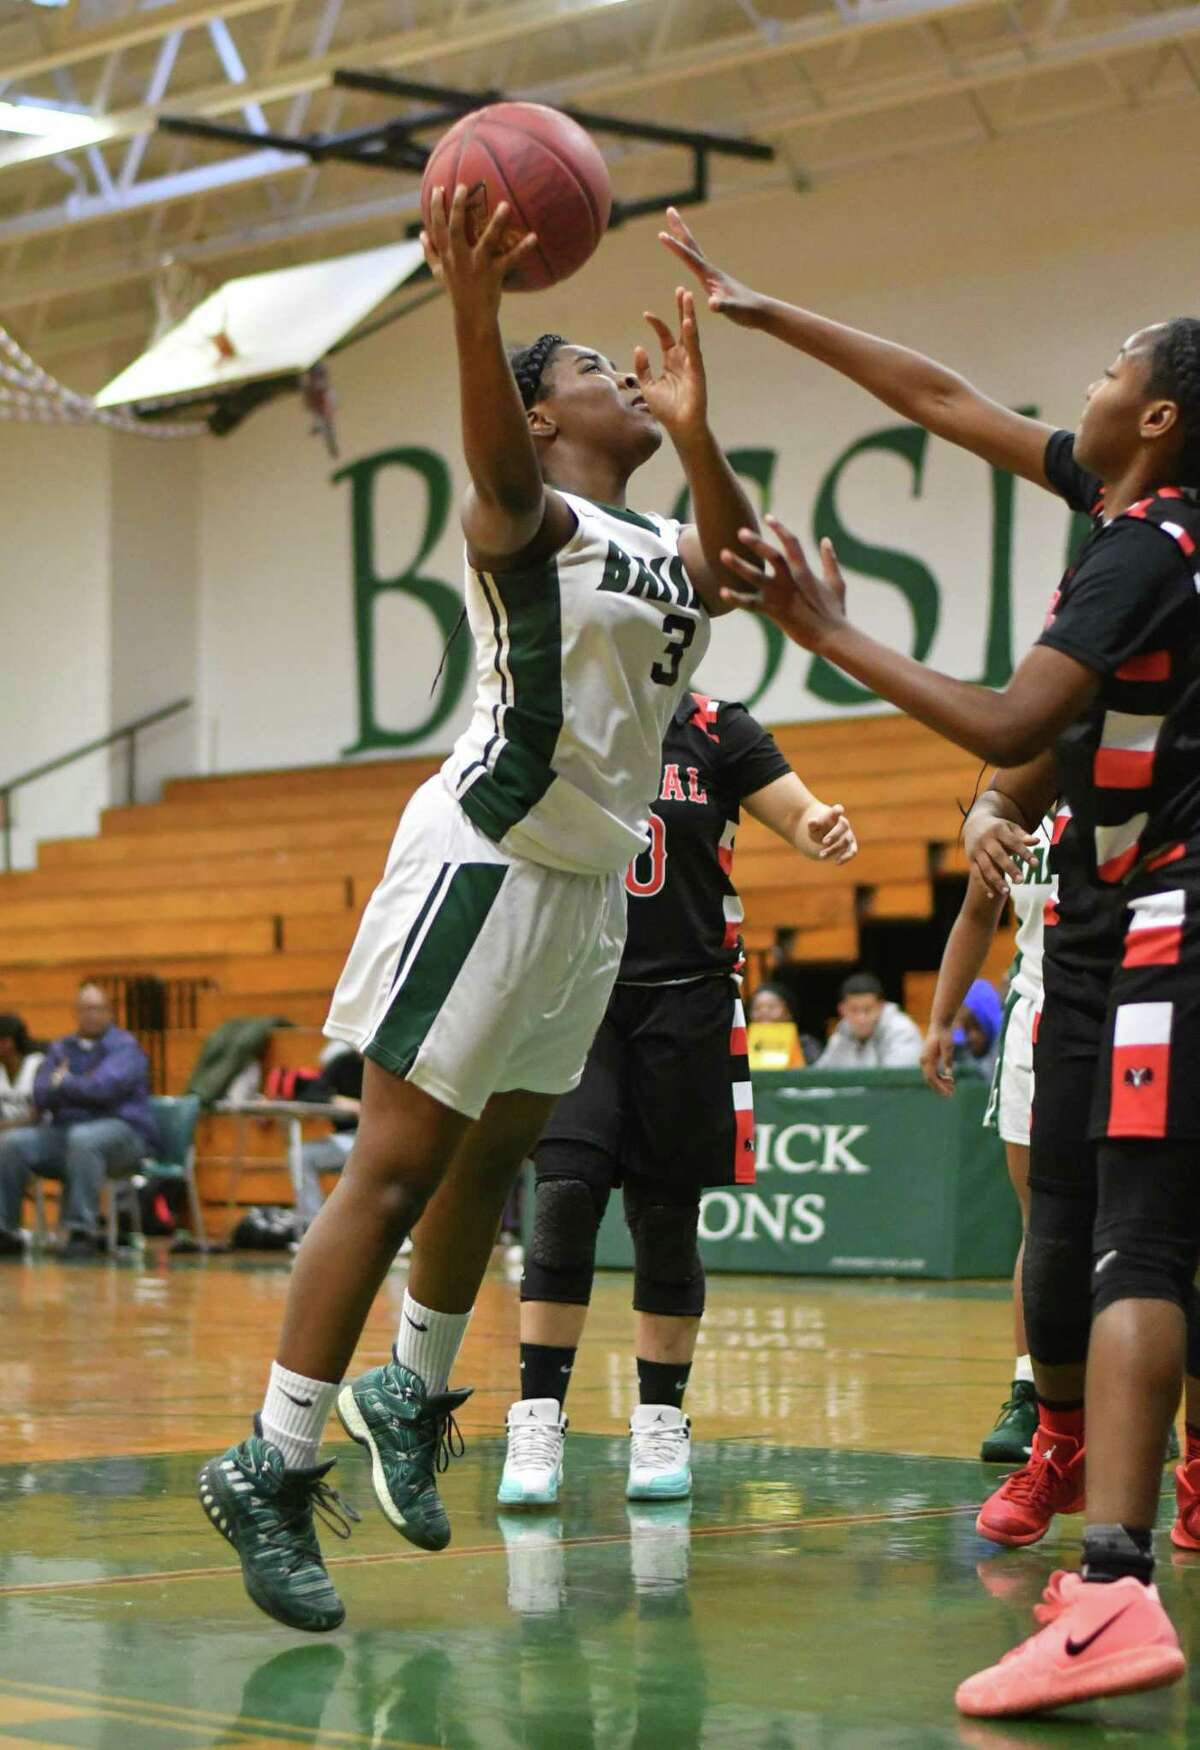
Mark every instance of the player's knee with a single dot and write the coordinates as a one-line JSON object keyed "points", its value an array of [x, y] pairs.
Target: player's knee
{"points": [[561, 1259], [1057, 1277], [668, 1275], [1147, 1236]]}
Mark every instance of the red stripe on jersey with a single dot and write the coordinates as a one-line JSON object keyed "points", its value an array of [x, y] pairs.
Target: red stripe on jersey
{"points": [[1050, 914], [1184, 539], [1122, 768], [1170, 492], [737, 1042], [1052, 609], [1157, 947], [1060, 825], [1037, 1024], [744, 1160], [1140, 508], [725, 859], [1138, 1100], [1171, 855], [1117, 868], [1155, 665], [732, 933]]}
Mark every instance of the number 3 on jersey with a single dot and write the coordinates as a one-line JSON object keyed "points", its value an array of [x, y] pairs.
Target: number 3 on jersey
{"points": [[680, 631], [657, 855]]}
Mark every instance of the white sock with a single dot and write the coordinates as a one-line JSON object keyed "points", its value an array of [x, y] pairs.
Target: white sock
{"points": [[1024, 1369], [294, 1415], [428, 1342]]}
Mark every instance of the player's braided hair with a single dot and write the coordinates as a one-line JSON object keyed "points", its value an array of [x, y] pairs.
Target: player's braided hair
{"points": [[1175, 373], [529, 365]]}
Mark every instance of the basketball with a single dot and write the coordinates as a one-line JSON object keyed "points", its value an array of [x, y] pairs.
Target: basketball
{"points": [[545, 166]]}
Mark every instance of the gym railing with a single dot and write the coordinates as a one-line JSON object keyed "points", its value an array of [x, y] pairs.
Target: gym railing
{"points": [[128, 734]]}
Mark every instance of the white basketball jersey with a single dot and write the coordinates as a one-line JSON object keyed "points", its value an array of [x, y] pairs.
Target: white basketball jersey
{"points": [[580, 663], [1029, 898]]}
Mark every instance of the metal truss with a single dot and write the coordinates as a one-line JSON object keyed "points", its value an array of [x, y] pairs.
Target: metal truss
{"points": [[833, 84]]}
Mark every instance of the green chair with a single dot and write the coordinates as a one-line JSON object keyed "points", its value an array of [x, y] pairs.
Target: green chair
{"points": [[176, 1117]]}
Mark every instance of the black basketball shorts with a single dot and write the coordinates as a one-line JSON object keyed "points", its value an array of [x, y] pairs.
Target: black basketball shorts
{"points": [[665, 1097]]}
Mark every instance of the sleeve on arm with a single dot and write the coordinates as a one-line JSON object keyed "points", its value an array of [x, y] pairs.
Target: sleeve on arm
{"points": [[750, 758], [1121, 600], [1082, 491], [123, 1074]]}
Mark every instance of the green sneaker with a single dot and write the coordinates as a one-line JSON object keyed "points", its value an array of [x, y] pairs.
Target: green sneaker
{"points": [[266, 1512], [1011, 1440], [410, 1437]]}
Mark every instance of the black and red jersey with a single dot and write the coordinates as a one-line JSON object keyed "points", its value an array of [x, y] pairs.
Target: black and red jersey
{"points": [[1129, 609], [684, 913]]}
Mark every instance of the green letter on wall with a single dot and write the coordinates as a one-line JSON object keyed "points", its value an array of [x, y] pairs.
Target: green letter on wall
{"points": [[915, 582], [443, 602]]}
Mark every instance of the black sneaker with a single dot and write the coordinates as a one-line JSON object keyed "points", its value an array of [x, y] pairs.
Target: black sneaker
{"points": [[266, 1512]]}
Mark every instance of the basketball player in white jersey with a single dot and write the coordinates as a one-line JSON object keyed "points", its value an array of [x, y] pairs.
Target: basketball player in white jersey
{"points": [[1010, 1106], [485, 958]]}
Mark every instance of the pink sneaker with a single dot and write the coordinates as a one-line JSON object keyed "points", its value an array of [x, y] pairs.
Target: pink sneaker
{"points": [[1106, 1639], [1061, 1591]]}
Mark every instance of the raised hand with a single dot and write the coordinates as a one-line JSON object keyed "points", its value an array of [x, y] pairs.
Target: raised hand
{"points": [[473, 272], [727, 296], [832, 835], [807, 608], [678, 395]]}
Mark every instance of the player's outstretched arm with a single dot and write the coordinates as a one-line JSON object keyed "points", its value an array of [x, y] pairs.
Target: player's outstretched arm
{"points": [[1049, 690], [677, 395], [819, 830], [962, 961], [912, 385], [507, 502]]}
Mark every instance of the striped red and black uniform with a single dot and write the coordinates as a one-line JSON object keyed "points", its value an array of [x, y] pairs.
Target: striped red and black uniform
{"points": [[666, 1091], [1129, 609]]}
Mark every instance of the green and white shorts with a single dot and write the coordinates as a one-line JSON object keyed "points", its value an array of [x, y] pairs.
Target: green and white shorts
{"points": [[474, 972], [1010, 1103]]}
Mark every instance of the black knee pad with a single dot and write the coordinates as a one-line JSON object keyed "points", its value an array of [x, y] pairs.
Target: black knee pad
{"points": [[1057, 1275], [1147, 1238], [562, 1253], [668, 1276]]}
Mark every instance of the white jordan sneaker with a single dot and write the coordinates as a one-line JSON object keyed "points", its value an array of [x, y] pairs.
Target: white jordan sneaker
{"points": [[533, 1465], [660, 1454]]}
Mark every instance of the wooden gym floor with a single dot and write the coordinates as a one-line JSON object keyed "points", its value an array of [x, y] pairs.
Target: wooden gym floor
{"points": [[824, 1590]]}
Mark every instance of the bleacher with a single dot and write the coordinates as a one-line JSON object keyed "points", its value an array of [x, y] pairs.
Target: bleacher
{"points": [[252, 884]]}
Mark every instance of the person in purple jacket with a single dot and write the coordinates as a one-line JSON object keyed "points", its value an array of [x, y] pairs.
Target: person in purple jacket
{"points": [[95, 1122]]}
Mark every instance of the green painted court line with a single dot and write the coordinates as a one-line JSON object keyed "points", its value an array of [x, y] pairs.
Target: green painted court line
{"points": [[751, 1528]]}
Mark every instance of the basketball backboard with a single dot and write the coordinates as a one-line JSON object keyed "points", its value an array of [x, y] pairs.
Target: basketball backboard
{"points": [[263, 325]]}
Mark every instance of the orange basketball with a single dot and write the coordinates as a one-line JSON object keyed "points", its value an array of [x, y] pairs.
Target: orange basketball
{"points": [[545, 166]]}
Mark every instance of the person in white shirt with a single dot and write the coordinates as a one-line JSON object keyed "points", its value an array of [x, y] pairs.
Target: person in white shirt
{"points": [[20, 1060]]}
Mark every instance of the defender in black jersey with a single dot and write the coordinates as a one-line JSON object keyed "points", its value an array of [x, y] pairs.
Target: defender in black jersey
{"points": [[1114, 688], [665, 1106]]}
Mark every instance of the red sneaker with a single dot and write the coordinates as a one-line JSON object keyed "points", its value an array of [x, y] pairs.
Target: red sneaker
{"points": [[1110, 1639], [1185, 1533], [1052, 1482]]}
